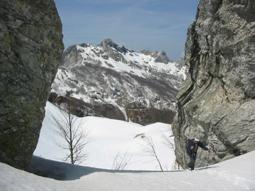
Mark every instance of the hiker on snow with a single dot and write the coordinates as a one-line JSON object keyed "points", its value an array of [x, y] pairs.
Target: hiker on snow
{"points": [[191, 147]]}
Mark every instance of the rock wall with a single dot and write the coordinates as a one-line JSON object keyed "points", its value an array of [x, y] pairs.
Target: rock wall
{"points": [[217, 102], [30, 52]]}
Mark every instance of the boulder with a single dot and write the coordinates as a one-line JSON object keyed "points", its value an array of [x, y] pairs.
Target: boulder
{"points": [[30, 51]]}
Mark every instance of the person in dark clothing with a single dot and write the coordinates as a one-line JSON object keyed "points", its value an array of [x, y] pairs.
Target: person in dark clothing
{"points": [[192, 147]]}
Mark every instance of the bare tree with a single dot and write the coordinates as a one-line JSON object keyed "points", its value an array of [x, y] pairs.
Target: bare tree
{"points": [[120, 162], [70, 130], [150, 149]]}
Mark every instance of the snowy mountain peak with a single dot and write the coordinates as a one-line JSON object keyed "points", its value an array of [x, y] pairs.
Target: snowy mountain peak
{"points": [[109, 43], [113, 75], [111, 55]]}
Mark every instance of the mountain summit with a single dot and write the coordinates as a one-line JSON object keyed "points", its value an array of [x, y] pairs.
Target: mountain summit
{"points": [[109, 44]]}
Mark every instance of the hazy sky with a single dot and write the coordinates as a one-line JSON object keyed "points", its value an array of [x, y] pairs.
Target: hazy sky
{"points": [[136, 24]]}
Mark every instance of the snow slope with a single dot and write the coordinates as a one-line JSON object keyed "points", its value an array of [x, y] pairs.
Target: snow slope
{"points": [[237, 174], [110, 142]]}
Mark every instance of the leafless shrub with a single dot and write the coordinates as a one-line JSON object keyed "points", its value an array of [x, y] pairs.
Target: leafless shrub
{"points": [[120, 162], [70, 130]]}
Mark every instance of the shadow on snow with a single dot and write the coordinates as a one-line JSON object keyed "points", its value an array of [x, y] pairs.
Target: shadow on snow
{"points": [[66, 171]]}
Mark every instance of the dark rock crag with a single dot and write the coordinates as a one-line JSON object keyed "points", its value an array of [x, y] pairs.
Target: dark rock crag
{"points": [[30, 51], [217, 101]]}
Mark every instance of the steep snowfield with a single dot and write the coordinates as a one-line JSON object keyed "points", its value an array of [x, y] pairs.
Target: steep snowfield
{"points": [[237, 174], [111, 142]]}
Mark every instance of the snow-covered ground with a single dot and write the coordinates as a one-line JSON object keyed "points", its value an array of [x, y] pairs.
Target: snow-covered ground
{"points": [[109, 138], [237, 174], [111, 142]]}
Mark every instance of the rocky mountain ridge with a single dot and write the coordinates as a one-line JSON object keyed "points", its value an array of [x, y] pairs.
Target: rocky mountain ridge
{"points": [[112, 81]]}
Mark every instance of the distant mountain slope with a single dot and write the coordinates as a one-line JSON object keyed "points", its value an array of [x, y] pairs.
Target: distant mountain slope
{"points": [[110, 80]]}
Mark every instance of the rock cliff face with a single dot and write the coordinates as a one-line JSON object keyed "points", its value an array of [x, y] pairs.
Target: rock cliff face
{"points": [[30, 52], [217, 101], [112, 81]]}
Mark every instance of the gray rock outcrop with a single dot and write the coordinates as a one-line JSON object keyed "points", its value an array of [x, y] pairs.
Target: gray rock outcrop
{"points": [[30, 52], [217, 101]]}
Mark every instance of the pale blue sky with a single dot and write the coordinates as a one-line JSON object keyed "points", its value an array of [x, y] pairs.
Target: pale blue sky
{"points": [[136, 24]]}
